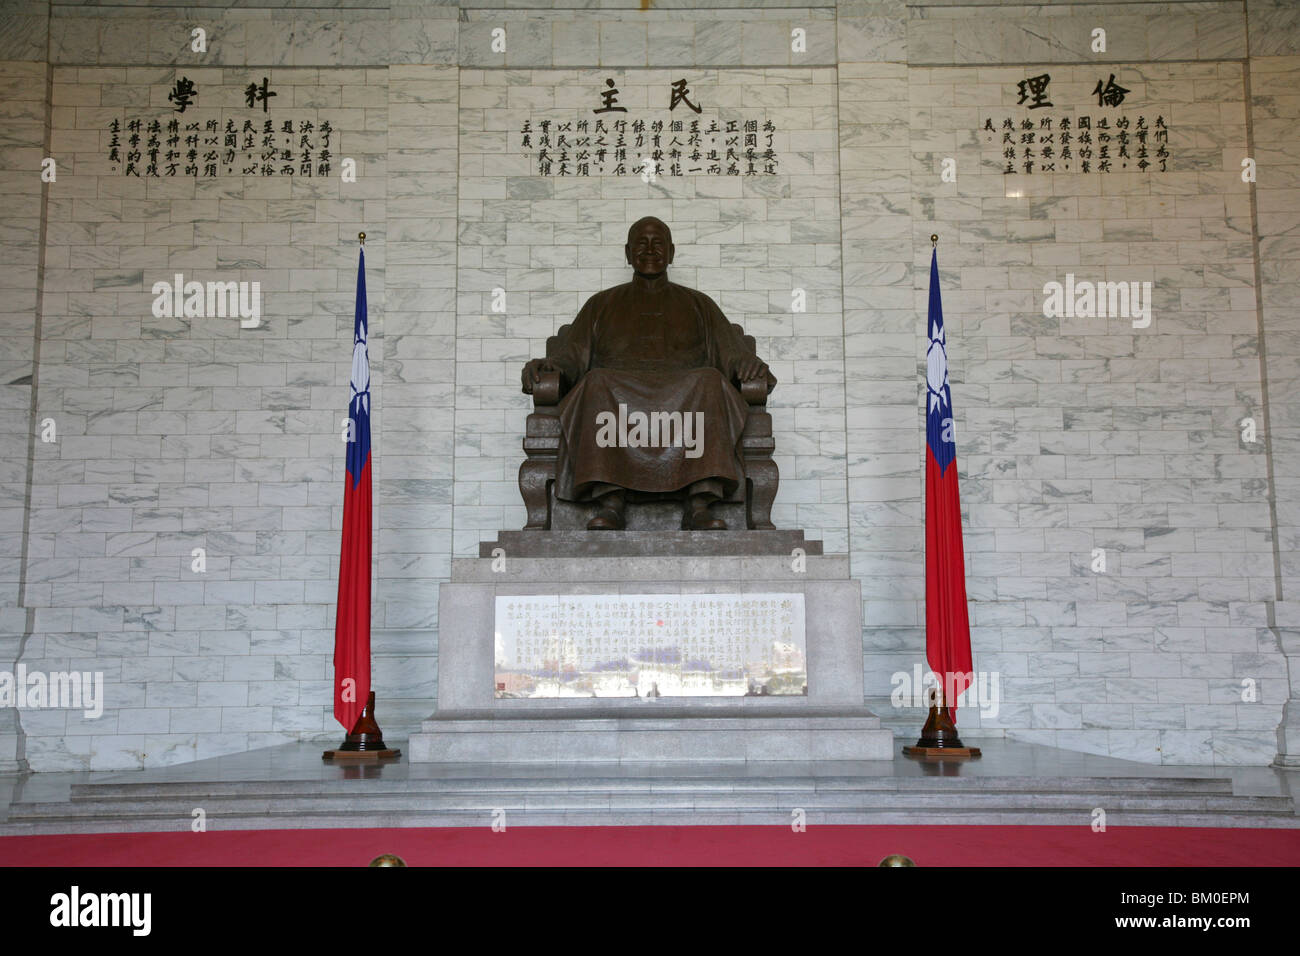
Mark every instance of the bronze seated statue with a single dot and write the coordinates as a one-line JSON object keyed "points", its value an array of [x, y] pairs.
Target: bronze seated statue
{"points": [[650, 396]]}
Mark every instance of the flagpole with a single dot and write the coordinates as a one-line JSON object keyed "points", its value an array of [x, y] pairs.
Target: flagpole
{"points": [[366, 740], [939, 735]]}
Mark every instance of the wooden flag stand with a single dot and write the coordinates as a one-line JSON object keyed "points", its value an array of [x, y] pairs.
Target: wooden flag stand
{"points": [[366, 742], [939, 736]]}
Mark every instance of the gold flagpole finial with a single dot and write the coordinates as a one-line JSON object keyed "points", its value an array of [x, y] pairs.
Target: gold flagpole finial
{"points": [[934, 239], [361, 236]]}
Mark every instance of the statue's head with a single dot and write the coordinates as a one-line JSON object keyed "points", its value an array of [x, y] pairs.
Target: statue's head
{"points": [[649, 248]]}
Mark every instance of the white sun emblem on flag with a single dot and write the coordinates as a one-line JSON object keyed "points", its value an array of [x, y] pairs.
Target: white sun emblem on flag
{"points": [[361, 373], [936, 368]]}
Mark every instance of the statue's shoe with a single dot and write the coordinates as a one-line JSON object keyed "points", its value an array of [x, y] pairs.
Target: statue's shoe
{"points": [[606, 519], [703, 520]]}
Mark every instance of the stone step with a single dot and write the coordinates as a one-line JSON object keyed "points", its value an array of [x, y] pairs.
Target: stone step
{"points": [[657, 784], [315, 795], [759, 715], [489, 799], [657, 817], [667, 736]]}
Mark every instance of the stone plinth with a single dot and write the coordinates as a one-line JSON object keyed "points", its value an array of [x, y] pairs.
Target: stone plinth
{"points": [[473, 725], [632, 543]]}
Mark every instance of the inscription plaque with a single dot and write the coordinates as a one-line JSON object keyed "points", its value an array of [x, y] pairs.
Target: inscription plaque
{"points": [[650, 645]]}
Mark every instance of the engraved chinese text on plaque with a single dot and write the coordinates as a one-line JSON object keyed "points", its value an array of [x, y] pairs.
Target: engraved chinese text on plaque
{"points": [[650, 645]]}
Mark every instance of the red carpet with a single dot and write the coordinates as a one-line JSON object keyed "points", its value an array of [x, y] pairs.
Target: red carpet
{"points": [[669, 846]]}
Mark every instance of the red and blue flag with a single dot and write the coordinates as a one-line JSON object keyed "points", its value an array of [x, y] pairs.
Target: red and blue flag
{"points": [[352, 623], [947, 626]]}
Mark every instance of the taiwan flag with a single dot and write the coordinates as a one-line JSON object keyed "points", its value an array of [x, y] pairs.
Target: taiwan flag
{"points": [[947, 627], [352, 625]]}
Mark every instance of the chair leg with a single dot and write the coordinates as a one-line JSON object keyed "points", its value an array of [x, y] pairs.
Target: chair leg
{"points": [[761, 479], [535, 477]]}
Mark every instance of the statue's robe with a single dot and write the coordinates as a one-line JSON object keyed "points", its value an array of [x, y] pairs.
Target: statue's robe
{"points": [[652, 346]]}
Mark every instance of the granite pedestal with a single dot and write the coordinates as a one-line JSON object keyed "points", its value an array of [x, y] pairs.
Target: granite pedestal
{"points": [[473, 724]]}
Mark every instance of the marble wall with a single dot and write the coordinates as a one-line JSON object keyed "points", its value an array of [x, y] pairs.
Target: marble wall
{"points": [[23, 104], [1083, 433], [551, 241], [1072, 434], [179, 432], [1273, 78]]}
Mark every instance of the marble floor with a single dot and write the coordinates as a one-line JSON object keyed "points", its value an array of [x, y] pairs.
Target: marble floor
{"points": [[1005, 765]]}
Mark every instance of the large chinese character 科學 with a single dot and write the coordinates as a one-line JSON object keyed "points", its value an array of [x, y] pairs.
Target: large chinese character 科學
{"points": [[254, 94], [183, 93]]}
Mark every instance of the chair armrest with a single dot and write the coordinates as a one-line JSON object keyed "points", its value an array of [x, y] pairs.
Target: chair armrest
{"points": [[754, 392], [546, 391]]}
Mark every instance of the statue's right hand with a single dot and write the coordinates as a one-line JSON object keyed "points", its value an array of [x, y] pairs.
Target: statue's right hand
{"points": [[532, 373]]}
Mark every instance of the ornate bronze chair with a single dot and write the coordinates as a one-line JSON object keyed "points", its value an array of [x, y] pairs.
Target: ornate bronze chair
{"points": [[749, 506]]}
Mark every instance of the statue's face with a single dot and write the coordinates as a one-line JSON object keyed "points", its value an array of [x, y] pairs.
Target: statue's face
{"points": [[649, 251]]}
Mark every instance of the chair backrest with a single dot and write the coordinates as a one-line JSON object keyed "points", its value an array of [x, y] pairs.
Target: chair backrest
{"points": [[750, 346], [553, 342]]}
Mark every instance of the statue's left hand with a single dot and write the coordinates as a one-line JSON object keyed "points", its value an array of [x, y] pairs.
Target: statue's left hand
{"points": [[532, 373], [751, 369]]}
